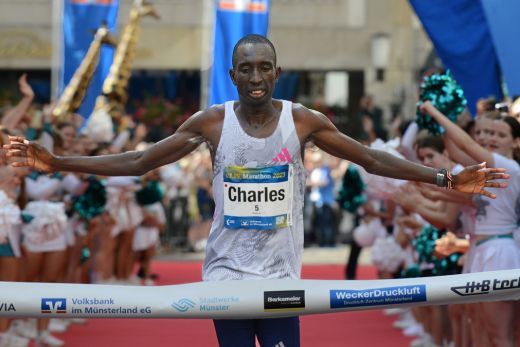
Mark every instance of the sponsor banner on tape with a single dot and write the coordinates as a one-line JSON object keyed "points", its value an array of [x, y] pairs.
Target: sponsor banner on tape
{"points": [[7, 307], [251, 299], [284, 300], [340, 298], [54, 305], [205, 304], [90, 307], [486, 286]]}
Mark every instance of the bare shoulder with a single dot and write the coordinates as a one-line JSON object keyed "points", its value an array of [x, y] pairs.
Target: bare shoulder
{"points": [[204, 121], [211, 115], [207, 124], [303, 113], [307, 121]]}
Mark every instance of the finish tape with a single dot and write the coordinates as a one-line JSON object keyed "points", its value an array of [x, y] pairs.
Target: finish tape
{"points": [[251, 299]]}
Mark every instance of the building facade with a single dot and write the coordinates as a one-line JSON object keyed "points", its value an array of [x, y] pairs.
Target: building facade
{"points": [[316, 36]]}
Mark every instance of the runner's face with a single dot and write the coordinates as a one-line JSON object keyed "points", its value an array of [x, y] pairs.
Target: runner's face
{"points": [[255, 73]]}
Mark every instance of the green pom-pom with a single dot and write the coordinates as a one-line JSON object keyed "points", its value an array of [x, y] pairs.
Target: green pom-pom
{"points": [[150, 194], [447, 266], [85, 255], [411, 272], [26, 218], [424, 243], [350, 195], [425, 246], [92, 202], [445, 95]]}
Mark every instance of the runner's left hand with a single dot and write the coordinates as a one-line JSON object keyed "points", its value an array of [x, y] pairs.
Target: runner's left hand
{"points": [[474, 179]]}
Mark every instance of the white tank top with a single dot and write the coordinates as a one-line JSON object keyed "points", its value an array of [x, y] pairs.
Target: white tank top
{"points": [[501, 215], [258, 187]]}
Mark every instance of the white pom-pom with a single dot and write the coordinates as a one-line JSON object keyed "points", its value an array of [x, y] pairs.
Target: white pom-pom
{"points": [[387, 255], [367, 232], [99, 127], [363, 235], [378, 186], [9, 211], [45, 213]]}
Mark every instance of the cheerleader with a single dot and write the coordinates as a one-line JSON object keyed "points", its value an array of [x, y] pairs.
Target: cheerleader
{"points": [[146, 237], [127, 215], [10, 255], [44, 228], [496, 220]]}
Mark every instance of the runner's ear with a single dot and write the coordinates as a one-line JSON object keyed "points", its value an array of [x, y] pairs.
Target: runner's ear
{"points": [[232, 76]]}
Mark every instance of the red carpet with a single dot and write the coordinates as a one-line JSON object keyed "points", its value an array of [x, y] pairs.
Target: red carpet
{"points": [[366, 328]]}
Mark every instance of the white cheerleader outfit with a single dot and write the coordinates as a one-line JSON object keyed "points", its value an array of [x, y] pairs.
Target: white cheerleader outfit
{"points": [[46, 231], [497, 220], [121, 203], [467, 227], [71, 185], [10, 223], [146, 237]]}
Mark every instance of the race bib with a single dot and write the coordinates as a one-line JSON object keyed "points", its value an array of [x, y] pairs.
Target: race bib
{"points": [[258, 198]]}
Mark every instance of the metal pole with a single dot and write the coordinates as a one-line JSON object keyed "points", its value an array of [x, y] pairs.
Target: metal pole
{"points": [[57, 47], [206, 59]]}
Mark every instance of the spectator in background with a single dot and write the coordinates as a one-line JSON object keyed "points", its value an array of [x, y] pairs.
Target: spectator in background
{"points": [[322, 195], [485, 105], [514, 111], [13, 116], [351, 196], [368, 109]]}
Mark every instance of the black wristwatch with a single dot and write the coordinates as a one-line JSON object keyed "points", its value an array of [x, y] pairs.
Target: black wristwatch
{"points": [[444, 178]]}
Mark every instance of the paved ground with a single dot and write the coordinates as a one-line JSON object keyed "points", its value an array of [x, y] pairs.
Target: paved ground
{"points": [[311, 255]]}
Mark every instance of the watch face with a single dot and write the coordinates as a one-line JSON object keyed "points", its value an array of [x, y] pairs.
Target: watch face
{"points": [[441, 179]]}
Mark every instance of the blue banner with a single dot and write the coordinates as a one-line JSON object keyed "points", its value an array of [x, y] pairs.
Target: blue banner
{"points": [[233, 20], [500, 18], [81, 18], [377, 296], [461, 37]]}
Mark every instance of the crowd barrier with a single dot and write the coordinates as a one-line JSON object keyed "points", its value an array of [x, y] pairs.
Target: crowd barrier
{"points": [[251, 299]]}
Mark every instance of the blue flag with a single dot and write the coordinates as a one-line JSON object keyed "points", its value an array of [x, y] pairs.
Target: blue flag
{"points": [[500, 17], [81, 18], [461, 37], [233, 20]]}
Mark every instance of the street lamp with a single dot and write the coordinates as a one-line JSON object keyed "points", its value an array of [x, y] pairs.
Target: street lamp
{"points": [[380, 54]]}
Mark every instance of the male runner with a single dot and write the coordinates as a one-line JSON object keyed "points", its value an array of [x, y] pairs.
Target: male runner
{"points": [[256, 145]]}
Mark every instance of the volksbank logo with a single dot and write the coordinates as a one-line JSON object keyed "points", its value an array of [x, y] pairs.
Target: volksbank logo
{"points": [[485, 286], [183, 305], [54, 305], [377, 296]]}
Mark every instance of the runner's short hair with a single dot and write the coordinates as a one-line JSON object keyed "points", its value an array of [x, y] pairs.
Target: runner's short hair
{"points": [[253, 39]]}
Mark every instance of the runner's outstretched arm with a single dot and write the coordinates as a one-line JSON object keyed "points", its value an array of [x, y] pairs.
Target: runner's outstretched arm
{"points": [[320, 130], [134, 163]]}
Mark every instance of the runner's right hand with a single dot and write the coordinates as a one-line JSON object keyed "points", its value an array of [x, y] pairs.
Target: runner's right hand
{"points": [[21, 152]]}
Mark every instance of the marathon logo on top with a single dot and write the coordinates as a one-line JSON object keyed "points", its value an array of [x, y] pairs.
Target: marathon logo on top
{"points": [[54, 305], [92, 2], [486, 286], [284, 300], [377, 296], [251, 6], [258, 198]]}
